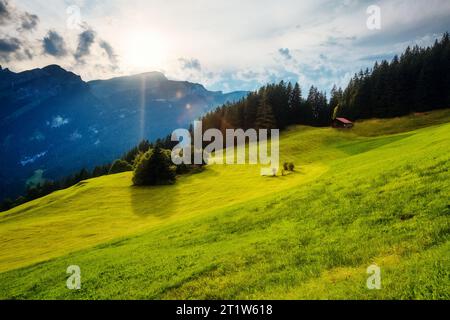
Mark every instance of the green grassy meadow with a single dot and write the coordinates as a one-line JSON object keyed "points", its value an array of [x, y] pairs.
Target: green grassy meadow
{"points": [[376, 194]]}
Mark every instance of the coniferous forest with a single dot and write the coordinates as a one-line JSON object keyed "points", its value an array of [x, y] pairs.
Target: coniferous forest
{"points": [[417, 81]]}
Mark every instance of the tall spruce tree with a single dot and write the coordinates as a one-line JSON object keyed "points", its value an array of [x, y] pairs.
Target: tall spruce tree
{"points": [[296, 104], [265, 118]]}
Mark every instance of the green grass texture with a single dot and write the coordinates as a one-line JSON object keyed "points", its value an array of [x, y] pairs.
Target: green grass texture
{"points": [[375, 194]]}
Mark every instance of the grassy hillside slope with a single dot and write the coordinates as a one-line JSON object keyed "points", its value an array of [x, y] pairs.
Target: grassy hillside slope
{"points": [[359, 197]]}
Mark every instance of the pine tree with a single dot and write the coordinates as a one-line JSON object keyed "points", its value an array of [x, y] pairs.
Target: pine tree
{"points": [[296, 104], [312, 103], [335, 99], [265, 118]]}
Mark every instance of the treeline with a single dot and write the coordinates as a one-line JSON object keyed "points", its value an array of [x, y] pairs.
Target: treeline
{"points": [[272, 106], [417, 81], [48, 186]]}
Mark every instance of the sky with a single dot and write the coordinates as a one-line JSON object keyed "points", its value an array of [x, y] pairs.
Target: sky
{"points": [[225, 45]]}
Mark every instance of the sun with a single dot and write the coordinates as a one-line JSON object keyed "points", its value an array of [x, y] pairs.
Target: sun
{"points": [[144, 50]]}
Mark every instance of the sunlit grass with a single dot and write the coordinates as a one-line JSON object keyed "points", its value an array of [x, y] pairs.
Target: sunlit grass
{"points": [[230, 233], [102, 209]]}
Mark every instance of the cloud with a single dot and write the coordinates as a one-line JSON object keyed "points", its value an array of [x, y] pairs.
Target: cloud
{"points": [[10, 48], [5, 13], [343, 41], [9, 45], [85, 41], [378, 57], [14, 46], [17, 44], [285, 53], [54, 44], [29, 22], [10, 14], [109, 52], [191, 64]]}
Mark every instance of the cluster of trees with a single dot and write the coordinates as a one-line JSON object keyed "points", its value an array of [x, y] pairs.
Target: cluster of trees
{"points": [[417, 81], [151, 163], [272, 106], [154, 167]]}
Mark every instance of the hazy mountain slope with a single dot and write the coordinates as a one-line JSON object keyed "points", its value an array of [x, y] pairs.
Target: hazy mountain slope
{"points": [[52, 123], [47, 118], [353, 201]]}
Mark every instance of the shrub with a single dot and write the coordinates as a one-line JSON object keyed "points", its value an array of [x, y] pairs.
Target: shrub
{"points": [[153, 167], [291, 166], [120, 166], [288, 166]]}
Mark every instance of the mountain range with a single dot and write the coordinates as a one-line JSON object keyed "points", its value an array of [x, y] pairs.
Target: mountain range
{"points": [[52, 123]]}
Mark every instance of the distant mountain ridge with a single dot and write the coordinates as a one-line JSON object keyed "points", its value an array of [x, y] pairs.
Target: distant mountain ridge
{"points": [[53, 123]]}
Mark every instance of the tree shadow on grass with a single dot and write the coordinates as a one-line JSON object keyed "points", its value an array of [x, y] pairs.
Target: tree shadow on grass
{"points": [[157, 201]]}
